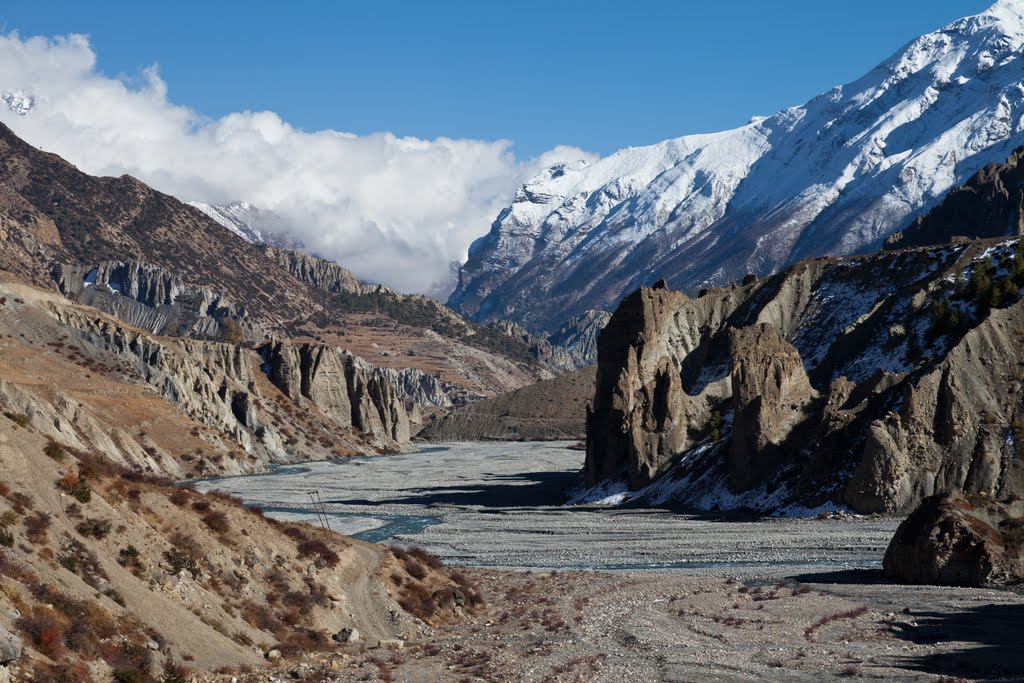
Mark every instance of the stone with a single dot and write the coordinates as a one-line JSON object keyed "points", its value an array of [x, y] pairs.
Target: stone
{"points": [[274, 655], [346, 635], [955, 540], [10, 646], [391, 643]]}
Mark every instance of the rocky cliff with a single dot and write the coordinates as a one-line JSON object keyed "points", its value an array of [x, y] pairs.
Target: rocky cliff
{"points": [[148, 296], [321, 274], [238, 408], [990, 204], [572, 347], [869, 382]]}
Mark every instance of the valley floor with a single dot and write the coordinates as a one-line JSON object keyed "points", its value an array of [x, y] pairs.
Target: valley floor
{"points": [[620, 627], [588, 594]]}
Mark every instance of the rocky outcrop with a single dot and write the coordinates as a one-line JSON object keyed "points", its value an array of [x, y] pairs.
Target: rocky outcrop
{"points": [[954, 540], [10, 646], [578, 337], [770, 394], [321, 274], [643, 416], [572, 347], [416, 386], [151, 297], [870, 382], [991, 204], [348, 390], [222, 386]]}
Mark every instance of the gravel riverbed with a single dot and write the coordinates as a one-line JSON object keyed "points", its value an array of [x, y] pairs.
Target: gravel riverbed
{"points": [[588, 594]]}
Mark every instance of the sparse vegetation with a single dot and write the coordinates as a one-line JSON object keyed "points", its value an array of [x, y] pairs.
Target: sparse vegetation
{"points": [[315, 548], [715, 423], [231, 331], [75, 486], [217, 521], [18, 419], [54, 450], [95, 528]]}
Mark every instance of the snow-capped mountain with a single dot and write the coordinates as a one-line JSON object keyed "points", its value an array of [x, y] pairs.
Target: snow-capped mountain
{"points": [[249, 222], [18, 101], [836, 175]]}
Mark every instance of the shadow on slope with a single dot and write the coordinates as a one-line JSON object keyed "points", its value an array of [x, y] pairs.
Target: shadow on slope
{"points": [[997, 631]]}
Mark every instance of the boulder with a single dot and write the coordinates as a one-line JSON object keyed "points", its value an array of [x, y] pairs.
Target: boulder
{"points": [[346, 635], [10, 646], [956, 540]]}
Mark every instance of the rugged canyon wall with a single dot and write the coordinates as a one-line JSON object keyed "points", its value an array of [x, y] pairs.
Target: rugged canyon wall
{"points": [[240, 407], [870, 382]]}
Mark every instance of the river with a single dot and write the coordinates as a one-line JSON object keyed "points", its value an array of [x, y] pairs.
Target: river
{"points": [[499, 504]]}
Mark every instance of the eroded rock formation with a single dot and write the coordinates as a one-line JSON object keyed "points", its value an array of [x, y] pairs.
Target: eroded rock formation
{"points": [[871, 382], [770, 394]]}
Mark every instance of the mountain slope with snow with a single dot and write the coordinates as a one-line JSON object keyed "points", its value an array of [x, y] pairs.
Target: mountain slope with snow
{"points": [[251, 223], [836, 175]]}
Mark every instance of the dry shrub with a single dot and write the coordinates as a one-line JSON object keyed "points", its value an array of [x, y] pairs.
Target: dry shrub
{"points": [[302, 640], [261, 618], [36, 526], [418, 601], [416, 570], [315, 548], [179, 497], [45, 629], [20, 502], [427, 558], [217, 521], [75, 486], [54, 450], [96, 528], [62, 673]]}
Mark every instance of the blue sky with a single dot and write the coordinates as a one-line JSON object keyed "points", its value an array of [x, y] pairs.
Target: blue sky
{"points": [[598, 75]]}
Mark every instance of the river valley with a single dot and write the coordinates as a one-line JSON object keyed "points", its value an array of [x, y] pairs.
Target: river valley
{"points": [[499, 505]]}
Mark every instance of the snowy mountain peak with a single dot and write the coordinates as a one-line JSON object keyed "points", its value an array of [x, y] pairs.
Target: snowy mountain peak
{"points": [[251, 223], [18, 101], [835, 175]]}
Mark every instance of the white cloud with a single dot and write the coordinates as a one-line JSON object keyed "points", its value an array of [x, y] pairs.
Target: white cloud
{"points": [[396, 210]]}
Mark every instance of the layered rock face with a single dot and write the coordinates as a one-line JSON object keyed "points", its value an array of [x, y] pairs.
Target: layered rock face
{"points": [[572, 347], [281, 402], [954, 540], [321, 274], [347, 389], [642, 415], [153, 298], [870, 382], [770, 391]]}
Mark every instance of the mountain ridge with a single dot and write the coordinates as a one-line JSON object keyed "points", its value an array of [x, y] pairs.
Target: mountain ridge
{"points": [[835, 175]]}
